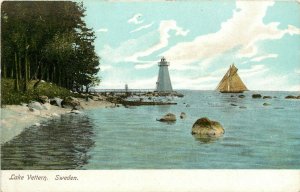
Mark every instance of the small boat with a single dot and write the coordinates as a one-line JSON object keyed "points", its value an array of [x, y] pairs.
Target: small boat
{"points": [[231, 82]]}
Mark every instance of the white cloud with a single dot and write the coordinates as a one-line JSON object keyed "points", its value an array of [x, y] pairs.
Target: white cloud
{"points": [[261, 58], [106, 68], [102, 30], [164, 28], [202, 83], [142, 27], [147, 83], [136, 19], [126, 48], [254, 70], [243, 30], [258, 59], [133, 49], [145, 64]]}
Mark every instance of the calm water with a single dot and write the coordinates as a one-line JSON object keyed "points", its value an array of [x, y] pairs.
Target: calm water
{"points": [[130, 138]]}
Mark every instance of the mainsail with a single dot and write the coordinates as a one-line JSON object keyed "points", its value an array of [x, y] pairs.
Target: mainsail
{"points": [[231, 82]]}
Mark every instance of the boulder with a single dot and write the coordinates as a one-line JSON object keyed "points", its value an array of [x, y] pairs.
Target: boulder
{"points": [[43, 99], [182, 115], [37, 124], [76, 111], [256, 96], [168, 117], [71, 102], [35, 105], [24, 104], [292, 97], [207, 128], [241, 96], [56, 101], [179, 95], [47, 106], [54, 115], [267, 97]]}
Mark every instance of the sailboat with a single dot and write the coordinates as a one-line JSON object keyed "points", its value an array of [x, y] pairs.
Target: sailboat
{"points": [[231, 82]]}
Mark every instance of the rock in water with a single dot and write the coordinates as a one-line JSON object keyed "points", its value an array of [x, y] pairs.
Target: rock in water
{"points": [[267, 97], [35, 105], [71, 102], [168, 117], [241, 96], [292, 97], [207, 128], [266, 104], [182, 115], [256, 96]]}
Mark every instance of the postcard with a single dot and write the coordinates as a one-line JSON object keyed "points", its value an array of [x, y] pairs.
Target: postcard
{"points": [[163, 95]]}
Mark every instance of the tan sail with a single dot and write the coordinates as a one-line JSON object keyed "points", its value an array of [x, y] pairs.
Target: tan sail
{"points": [[231, 82]]}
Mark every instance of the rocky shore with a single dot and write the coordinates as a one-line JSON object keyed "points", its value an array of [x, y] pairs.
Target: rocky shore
{"points": [[15, 118]]}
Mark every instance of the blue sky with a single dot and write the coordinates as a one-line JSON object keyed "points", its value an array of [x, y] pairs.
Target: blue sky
{"points": [[200, 39]]}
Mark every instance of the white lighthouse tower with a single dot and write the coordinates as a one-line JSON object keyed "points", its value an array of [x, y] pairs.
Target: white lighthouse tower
{"points": [[163, 83]]}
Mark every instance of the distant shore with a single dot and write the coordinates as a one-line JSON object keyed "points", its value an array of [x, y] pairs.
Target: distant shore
{"points": [[15, 118]]}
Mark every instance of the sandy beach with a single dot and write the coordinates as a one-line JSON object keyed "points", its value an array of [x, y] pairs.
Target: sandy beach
{"points": [[15, 118]]}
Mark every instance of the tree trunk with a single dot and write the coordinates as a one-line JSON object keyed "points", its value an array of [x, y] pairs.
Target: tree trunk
{"points": [[19, 68], [26, 73], [16, 74], [4, 71]]}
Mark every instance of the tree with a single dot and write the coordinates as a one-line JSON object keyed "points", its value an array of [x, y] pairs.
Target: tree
{"points": [[47, 40]]}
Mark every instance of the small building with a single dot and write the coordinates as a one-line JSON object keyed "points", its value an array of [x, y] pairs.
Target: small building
{"points": [[163, 83]]}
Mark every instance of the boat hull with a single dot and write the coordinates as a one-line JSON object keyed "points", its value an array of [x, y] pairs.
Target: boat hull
{"points": [[231, 91]]}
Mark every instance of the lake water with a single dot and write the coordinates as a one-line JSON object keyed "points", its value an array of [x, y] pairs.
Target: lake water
{"points": [[256, 136]]}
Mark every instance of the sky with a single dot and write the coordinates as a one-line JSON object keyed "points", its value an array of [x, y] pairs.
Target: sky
{"points": [[200, 39]]}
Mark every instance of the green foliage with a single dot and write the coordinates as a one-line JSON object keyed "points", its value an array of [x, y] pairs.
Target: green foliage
{"points": [[10, 96], [47, 40]]}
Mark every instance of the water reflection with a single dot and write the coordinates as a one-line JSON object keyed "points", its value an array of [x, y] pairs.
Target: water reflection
{"points": [[204, 139], [60, 144]]}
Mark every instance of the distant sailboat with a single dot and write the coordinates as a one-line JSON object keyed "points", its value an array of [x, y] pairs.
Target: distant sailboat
{"points": [[231, 82]]}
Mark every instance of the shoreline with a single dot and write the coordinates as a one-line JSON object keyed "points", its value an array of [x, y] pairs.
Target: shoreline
{"points": [[16, 118]]}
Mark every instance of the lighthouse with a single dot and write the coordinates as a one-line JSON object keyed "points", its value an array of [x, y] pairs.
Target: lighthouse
{"points": [[163, 83]]}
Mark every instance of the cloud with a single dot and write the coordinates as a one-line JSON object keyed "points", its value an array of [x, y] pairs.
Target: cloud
{"points": [[253, 71], [261, 58], [142, 27], [136, 19], [164, 28], [145, 64], [258, 59], [146, 83], [104, 30], [242, 31], [133, 50], [106, 68], [127, 48]]}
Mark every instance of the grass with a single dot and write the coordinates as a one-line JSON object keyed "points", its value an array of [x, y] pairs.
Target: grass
{"points": [[9, 96]]}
